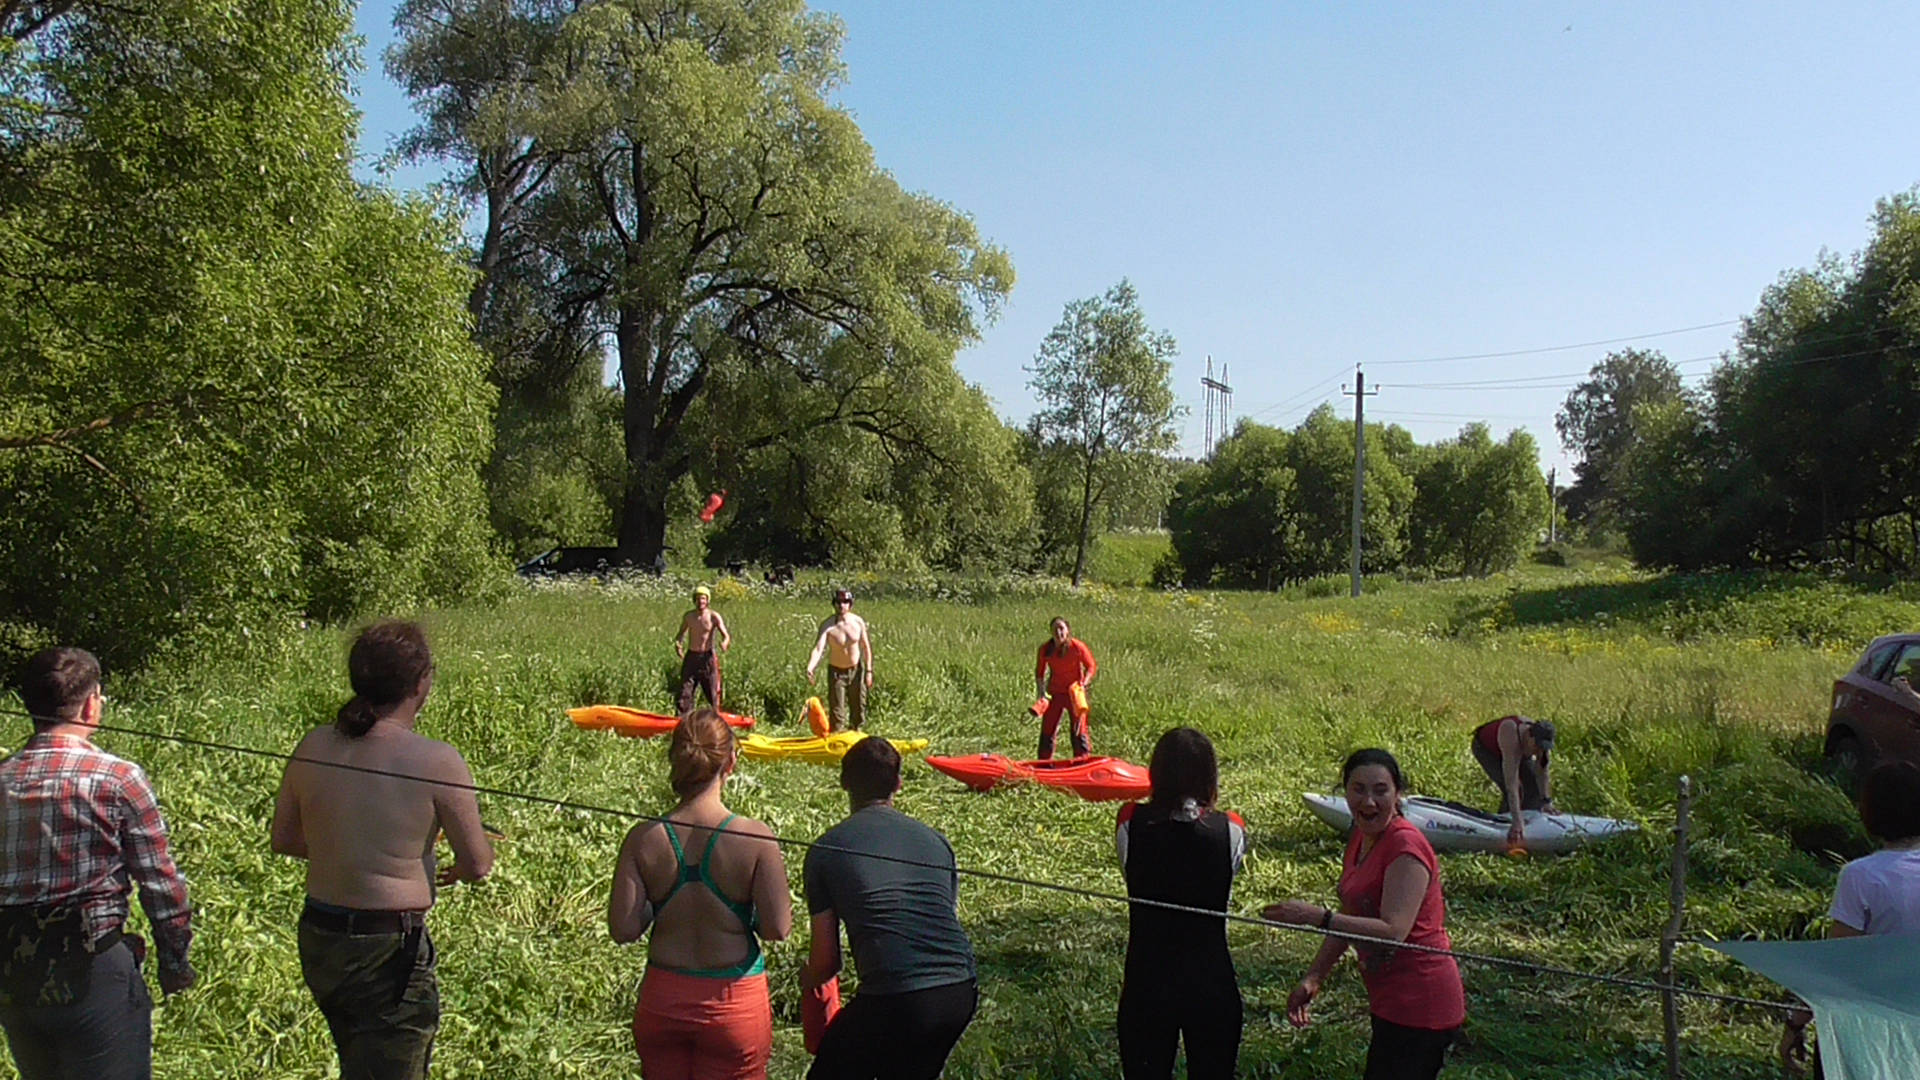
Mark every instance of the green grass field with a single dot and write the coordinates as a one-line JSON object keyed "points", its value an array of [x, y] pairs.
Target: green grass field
{"points": [[1725, 679]]}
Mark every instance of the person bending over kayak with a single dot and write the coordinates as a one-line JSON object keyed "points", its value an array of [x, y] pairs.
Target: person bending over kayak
{"points": [[917, 992], [1176, 847], [1514, 751], [703, 1008], [699, 667], [1062, 672]]}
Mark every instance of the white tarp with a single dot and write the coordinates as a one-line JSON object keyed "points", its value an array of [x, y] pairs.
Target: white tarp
{"points": [[1865, 994]]}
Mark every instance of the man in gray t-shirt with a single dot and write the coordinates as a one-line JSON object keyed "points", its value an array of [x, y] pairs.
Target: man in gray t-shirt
{"points": [[893, 881]]}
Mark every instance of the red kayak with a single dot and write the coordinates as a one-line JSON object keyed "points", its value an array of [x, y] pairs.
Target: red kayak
{"points": [[1094, 778], [636, 724]]}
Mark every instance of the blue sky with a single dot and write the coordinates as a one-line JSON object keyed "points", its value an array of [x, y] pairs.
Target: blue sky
{"points": [[1297, 188]]}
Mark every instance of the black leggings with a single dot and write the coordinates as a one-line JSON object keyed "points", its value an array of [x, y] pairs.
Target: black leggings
{"points": [[1150, 1028], [895, 1036], [1398, 1052]]}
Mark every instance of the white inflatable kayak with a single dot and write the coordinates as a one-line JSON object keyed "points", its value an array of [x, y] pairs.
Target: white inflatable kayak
{"points": [[1449, 826]]}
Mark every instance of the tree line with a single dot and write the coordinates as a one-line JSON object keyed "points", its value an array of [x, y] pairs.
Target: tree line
{"points": [[241, 387], [1274, 506], [1802, 445]]}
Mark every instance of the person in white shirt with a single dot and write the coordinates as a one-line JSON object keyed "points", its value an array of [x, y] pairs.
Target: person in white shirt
{"points": [[1878, 893]]}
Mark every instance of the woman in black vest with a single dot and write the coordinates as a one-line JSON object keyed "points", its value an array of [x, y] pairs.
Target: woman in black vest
{"points": [[1177, 848]]}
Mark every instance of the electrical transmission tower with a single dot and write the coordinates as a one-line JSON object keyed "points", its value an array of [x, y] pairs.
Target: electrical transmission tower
{"points": [[1219, 405]]}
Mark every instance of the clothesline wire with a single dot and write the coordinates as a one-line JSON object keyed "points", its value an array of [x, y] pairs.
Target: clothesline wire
{"points": [[1621, 981]]}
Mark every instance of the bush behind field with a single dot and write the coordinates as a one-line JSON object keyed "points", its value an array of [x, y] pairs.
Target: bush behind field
{"points": [[1128, 558], [1285, 684], [1832, 612]]}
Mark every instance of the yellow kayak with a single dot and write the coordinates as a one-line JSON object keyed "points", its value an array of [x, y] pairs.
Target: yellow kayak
{"points": [[818, 748]]}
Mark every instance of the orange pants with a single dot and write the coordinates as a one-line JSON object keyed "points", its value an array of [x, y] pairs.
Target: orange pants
{"points": [[1070, 699], [687, 1027]]}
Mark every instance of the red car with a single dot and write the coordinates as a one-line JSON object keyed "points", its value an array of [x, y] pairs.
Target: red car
{"points": [[1874, 720]]}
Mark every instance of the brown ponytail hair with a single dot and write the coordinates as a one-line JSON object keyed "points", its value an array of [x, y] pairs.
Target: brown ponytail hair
{"points": [[702, 746], [387, 664]]}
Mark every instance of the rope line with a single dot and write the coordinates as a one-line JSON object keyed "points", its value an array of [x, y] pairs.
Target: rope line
{"points": [[1621, 981]]}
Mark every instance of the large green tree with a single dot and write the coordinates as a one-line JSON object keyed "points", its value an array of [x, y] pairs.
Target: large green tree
{"points": [[959, 499], [1104, 381], [670, 182], [236, 384], [1596, 420], [1234, 520], [1273, 506], [1478, 505], [1806, 443]]}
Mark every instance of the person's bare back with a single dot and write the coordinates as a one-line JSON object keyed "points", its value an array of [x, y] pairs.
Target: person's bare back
{"points": [[695, 930], [369, 839]]}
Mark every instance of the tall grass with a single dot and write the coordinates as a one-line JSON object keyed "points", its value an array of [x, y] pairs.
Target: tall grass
{"points": [[1285, 684], [1128, 558]]}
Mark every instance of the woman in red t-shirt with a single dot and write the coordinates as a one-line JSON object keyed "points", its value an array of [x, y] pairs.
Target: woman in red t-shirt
{"points": [[1389, 888], [1061, 675]]}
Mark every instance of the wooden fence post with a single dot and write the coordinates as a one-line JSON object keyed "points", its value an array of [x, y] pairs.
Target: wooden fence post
{"points": [[1676, 915]]}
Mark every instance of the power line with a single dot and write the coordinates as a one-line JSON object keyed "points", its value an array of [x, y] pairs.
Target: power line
{"points": [[1558, 348], [985, 875], [1532, 382], [1339, 373], [1458, 416], [1517, 381]]}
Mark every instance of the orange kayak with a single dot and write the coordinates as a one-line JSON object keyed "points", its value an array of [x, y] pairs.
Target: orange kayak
{"points": [[637, 723], [1093, 778]]}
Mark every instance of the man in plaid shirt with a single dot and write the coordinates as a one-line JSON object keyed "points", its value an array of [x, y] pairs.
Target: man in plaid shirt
{"points": [[79, 828]]}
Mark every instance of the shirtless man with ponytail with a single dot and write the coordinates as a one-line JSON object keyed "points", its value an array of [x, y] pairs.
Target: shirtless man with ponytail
{"points": [[368, 840]]}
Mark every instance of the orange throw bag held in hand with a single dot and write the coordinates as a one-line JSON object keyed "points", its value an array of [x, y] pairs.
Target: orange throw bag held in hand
{"points": [[817, 1009]]}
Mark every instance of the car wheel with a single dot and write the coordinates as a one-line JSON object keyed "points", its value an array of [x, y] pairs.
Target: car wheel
{"points": [[1846, 763]]}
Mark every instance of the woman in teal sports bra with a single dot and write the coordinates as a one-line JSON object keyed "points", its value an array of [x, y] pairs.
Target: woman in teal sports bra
{"points": [[711, 885]]}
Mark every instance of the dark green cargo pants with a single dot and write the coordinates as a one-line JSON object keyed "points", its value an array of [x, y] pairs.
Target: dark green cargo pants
{"points": [[379, 995]]}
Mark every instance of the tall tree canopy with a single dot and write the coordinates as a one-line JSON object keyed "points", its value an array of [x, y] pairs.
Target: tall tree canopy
{"points": [[1597, 419], [1478, 505], [668, 182], [235, 384], [1104, 380], [1273, 506], [1806, 444]]}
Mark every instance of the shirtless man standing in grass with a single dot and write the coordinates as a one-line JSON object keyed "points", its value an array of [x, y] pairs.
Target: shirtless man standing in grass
{"points": [[369, 844], [849, 663], [699, 668]]}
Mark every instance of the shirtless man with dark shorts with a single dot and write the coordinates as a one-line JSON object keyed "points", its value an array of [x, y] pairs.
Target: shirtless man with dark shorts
{"points": [[849, 652], [368, 840], [699, 668]]}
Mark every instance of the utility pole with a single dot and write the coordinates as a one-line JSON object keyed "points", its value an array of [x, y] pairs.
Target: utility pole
{"points": [[1553, 509], [1360, 395]]}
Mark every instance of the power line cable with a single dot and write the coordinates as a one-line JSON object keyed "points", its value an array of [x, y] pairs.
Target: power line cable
{"points": [[1557, 348], [985, 875], [1308, 392], [1534, 382], [1566, 348]]}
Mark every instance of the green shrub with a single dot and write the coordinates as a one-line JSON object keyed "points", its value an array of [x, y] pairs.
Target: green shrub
{"points": [[1128, 558]]}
